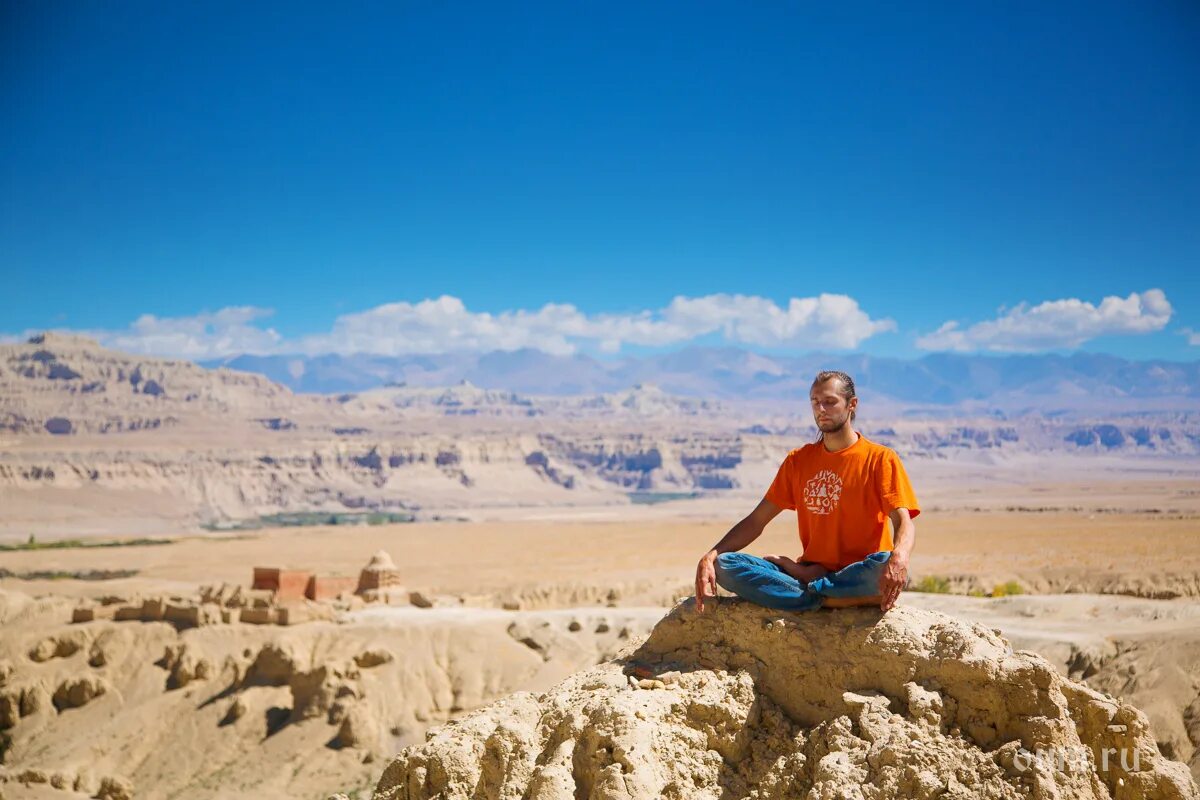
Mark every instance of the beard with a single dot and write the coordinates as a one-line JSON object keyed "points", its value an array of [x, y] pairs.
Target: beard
{"points": [[833, 425]]}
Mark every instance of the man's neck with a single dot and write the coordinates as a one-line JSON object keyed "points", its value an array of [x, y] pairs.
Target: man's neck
{"points": [[840, 440]]}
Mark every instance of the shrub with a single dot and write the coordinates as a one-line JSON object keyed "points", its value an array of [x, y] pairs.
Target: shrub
{"points": [[1008, 589], [933, 584]]}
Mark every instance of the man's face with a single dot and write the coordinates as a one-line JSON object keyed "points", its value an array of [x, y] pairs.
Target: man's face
{"points": [[830, 410]]}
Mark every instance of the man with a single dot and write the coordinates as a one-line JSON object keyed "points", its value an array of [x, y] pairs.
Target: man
{"points": [[844, 490]]}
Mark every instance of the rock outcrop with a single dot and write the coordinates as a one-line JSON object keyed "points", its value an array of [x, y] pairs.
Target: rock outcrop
{"points": [[748, 702]]}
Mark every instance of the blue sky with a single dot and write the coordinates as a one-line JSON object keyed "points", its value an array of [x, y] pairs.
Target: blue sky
{"points": [[200, 178]]}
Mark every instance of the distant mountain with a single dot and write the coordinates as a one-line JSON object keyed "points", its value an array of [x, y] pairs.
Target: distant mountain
{"points": [[64, 384], [1084, 382]]}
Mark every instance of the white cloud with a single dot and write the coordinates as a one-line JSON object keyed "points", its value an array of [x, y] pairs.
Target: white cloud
{"points": [[1055, 324], [1193, 337], [828, 320], [445, 324], [208, 335], [228, 331]]}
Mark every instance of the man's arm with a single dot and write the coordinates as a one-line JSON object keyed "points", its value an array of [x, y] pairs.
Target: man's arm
{"points": [[739, 536], [895, 572]]}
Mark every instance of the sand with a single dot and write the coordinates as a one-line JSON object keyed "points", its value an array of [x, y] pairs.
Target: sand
{"points": [[1138, 553]]}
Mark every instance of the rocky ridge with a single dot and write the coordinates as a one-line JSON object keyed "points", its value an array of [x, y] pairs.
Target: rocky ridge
{"points": [[163, 708], [750, 703]]}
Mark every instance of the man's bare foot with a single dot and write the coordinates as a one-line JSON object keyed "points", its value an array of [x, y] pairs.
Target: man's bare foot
{"points": [[849, 602], [807, 573], [801, 571]]}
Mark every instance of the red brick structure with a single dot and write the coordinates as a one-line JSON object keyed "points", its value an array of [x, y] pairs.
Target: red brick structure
{"points": [[287, 584], [328, 587]]}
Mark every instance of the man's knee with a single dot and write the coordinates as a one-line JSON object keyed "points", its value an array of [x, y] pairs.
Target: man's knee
{"points": [[724, 563], [728, 565]]}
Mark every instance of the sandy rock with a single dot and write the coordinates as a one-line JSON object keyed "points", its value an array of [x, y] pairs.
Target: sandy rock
{"points": [[76, 692], [33, 775], [360, 728], [59, 646], [114, 788], [237, 709], [17, 702], [34, 698], [110, 645], [10, 708], [847, 704], [373, 658], [394, 596], [184, 666], [425, 600], [923, 704], [259, 616], [85, 782], [274, 665], [97, 656], [315, 691], [222, 594]]}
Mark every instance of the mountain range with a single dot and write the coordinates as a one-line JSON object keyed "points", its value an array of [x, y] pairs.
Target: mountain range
{"points": [[1082, 382]]}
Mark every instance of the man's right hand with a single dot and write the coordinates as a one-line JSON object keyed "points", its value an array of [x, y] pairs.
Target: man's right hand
{"points": [[706, 579]]}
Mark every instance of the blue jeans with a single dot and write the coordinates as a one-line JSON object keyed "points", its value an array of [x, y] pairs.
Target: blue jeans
{"points": [[759, 581]]}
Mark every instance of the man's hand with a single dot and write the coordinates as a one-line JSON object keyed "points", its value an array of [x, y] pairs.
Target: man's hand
{"points": [[706, 579], [892, 580]]}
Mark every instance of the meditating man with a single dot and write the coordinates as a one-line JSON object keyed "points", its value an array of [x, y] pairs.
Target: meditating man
{"points": [[844, 490]]}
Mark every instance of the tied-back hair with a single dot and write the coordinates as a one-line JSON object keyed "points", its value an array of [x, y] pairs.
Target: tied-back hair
{"points": [[847, 385]]}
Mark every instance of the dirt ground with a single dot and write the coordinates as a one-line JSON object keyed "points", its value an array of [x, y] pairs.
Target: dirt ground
{"points": [[1041, 549]]}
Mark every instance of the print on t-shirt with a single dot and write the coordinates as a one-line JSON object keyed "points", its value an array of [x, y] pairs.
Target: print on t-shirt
{"points": [[822, 492]]}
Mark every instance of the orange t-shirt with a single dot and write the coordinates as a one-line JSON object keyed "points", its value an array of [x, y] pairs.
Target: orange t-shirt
{"points": [[842, 499]]}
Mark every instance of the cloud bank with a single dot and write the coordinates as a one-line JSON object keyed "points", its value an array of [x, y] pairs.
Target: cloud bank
{"points": [[1055, 325], [445, 324]]}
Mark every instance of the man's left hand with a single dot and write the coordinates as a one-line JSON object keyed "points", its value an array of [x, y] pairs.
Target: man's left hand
{"points": [[891, 582]]}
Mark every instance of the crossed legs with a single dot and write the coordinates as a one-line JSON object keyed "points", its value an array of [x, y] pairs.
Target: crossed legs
{"points": [[759, 581]]}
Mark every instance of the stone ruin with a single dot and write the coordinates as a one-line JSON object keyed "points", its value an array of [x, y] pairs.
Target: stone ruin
{"points": [[277, 596], [378, 577]]}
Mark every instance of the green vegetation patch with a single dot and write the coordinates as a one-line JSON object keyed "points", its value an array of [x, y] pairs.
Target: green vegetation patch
{"points": [[650, 498], [300, 519], [73, 544], [70, 575]]}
